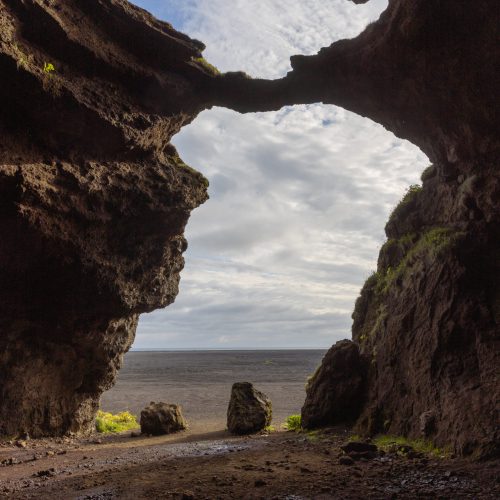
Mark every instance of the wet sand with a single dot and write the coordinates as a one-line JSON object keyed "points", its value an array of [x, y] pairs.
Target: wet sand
{"points": [[200, 381]]}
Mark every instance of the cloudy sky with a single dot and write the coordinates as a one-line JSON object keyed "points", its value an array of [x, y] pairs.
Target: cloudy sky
{"points": [[298, 198]]}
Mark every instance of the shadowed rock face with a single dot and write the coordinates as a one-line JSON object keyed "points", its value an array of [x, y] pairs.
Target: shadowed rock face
{"points": [[94, 202], [427, 322], [93, 198], [336, 392]]}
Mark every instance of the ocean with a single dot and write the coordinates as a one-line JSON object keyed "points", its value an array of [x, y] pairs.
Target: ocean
{"points": [[200, 381]]}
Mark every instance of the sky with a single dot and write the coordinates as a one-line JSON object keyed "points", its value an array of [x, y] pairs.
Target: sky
{"points": [[298, 198]]}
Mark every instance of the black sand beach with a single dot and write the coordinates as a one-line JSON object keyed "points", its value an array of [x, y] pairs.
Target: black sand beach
{"points": [[201, 382]]}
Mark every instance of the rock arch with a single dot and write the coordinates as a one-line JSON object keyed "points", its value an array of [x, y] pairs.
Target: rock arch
{"points": [[94, 201]]}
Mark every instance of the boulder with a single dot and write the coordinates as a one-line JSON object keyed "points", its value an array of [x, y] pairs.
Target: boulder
{"points": [[335, 393], [249, 409], [162, 418]]}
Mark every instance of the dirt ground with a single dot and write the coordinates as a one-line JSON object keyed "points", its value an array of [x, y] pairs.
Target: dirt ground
{"points": [[282, 465]]}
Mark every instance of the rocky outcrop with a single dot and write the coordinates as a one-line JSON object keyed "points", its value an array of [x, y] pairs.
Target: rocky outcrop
{"points": [[162, 418], [335, 393], [425, 70], [428, 319], [93, 198], [249, 410], [94, 201]]}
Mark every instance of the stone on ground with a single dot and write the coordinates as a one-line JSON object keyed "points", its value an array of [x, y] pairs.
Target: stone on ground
{"points": [[162, 418], [249, 409]]}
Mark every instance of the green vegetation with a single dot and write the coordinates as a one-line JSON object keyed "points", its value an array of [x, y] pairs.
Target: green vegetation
{"points": [[408, 197], [269, 429], [388, 443], [293, 423], [373, 279], [206, 65], [435, 240], [107, 422], [313, 436]]}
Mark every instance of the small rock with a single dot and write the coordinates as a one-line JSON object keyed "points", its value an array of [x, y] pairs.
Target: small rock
{"points": [[162, 418], [364, 455], [45, 473], [20, 443], [359, 447], [259, 483], [346, 460], [135, 434], [49, 453]]}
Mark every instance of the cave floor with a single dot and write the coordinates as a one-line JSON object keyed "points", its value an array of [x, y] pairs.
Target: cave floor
{"points": [[282, 465]]}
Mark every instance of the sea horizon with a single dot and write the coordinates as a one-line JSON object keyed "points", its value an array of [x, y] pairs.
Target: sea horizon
{"points": [[215, 349]]}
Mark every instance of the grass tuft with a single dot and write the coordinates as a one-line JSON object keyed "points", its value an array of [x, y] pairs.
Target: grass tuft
{"points": [[107, 422], [293, 423], [436, 240], [386, 443], [408, 197], [269, 429]]}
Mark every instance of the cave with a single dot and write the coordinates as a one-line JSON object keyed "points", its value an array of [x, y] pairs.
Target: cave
{"points": [[94, 202]]}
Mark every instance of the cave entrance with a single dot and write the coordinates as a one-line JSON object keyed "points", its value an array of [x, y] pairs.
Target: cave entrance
{"points": [[298, 202], [276, 257]]}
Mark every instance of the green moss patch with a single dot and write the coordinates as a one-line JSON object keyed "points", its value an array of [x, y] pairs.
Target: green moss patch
{"points": [[408, 198], [400, 444], [107, 422], [210, 68], [436, 241], [293, 423]]}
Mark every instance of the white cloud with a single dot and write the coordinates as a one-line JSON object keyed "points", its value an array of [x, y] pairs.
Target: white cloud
{"points": [[299, 198]]}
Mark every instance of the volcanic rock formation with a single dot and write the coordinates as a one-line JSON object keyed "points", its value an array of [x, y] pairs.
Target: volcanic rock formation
{"points": [[94, 201]]}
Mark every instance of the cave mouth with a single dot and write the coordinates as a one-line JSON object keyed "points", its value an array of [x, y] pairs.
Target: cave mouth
{"points": [[299, 206], [233, 315], [309, 196]]}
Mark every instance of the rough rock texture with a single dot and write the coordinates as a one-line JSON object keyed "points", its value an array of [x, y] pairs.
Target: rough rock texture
{"points": [[335, 393], [94, 202], [93, 199], [249, 410], [162, 418], [428, 321]]}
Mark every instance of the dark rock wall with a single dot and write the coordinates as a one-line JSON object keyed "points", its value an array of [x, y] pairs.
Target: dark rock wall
{"points": [[93, 198], [428, 321]]}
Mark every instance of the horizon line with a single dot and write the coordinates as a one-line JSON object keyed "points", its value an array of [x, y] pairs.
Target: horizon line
{"points": [[146, 349]]}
